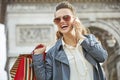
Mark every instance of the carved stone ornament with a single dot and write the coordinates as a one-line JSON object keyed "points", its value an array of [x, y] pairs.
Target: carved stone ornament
{"points": [[33, 34]]}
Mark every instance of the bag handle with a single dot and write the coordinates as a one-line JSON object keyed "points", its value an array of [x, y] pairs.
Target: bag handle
{"points": [[40, 46]]}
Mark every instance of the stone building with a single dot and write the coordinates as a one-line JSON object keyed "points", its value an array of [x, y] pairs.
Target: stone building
{"points": [[25, 20]]}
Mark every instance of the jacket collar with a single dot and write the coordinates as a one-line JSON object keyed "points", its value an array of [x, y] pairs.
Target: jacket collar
{"points": [[60, 53], [59, 44]]}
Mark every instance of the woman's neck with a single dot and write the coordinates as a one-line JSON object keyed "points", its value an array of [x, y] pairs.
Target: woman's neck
{"points": [[70, 39]]}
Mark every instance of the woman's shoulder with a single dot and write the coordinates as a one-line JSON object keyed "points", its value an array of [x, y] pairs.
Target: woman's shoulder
{"points": [[90, 35], [55, 47]]}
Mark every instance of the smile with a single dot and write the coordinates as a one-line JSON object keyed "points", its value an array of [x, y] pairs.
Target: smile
{"points": [[63, 27]]}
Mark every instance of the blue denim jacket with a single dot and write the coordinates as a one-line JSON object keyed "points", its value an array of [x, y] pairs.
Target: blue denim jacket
{"points": [[56, 66]]}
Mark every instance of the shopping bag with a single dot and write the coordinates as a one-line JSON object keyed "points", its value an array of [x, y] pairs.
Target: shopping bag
{"points": [[21, 69]]}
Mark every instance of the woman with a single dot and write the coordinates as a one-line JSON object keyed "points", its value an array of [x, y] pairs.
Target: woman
{"points": [[76, 54]]}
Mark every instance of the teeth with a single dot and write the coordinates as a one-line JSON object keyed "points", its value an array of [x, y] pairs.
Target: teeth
{"points": [[63, 27]]}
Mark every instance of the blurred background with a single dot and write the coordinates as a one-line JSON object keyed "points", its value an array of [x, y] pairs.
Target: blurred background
{"points": [[26, 23]]}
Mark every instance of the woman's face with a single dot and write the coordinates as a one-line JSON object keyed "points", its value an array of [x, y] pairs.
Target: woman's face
{"points": [[64, 20]]}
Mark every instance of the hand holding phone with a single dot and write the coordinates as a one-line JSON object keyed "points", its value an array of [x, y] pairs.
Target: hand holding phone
{"points": [[78, 27]]}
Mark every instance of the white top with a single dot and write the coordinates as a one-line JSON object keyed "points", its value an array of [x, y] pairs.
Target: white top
{"points": [[80, 68]]}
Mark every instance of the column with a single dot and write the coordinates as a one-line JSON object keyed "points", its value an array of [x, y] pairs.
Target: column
{"points": [[3, 74]]}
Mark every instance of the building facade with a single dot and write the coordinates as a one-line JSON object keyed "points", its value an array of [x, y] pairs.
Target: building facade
{"points": [[29, 21]]}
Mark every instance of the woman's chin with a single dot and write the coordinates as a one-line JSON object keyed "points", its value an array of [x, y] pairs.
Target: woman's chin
{"points": [[65, 32]]}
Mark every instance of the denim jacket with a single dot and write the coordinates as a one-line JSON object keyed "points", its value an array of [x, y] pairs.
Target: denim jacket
{"points": [[56, 65]]}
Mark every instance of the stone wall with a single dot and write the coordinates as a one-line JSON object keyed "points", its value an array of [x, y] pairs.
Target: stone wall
{"points": [[53, 1]]}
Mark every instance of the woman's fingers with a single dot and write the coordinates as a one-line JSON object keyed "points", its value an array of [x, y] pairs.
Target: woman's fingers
{"points": [[77, 28], [40, 49]]}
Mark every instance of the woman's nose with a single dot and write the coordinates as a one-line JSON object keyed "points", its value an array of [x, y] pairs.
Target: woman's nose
{"points": [[62, 20]]}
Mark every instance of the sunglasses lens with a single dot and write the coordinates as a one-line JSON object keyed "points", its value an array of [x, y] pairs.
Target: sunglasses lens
{"points": [[57, 20], [66, 18]]}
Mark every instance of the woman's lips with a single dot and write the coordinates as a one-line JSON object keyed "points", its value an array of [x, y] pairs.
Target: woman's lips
{"points": [[64, 27]]}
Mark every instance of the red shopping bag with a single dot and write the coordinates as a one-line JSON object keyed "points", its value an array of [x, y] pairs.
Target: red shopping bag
{"points": [[21, 69]]}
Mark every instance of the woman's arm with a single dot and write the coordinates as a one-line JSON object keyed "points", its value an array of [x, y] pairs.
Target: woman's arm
{"points": [[93, 47], [42, 69]]}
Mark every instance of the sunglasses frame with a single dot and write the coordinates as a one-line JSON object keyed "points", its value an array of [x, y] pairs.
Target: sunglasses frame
{"points": [[65, 18]]}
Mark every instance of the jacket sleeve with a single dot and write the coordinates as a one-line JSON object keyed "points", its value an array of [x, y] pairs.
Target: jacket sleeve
{"points": [[93, 47], [42, 69]]}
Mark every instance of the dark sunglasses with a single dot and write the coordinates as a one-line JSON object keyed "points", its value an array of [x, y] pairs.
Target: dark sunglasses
{"points": [[65, 18]]}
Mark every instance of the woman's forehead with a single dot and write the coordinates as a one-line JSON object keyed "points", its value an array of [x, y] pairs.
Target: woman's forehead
{"points": [[62, 12]]}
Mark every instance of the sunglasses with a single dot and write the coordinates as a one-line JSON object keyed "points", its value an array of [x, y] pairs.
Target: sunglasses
{"points": [[65, 18]]}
